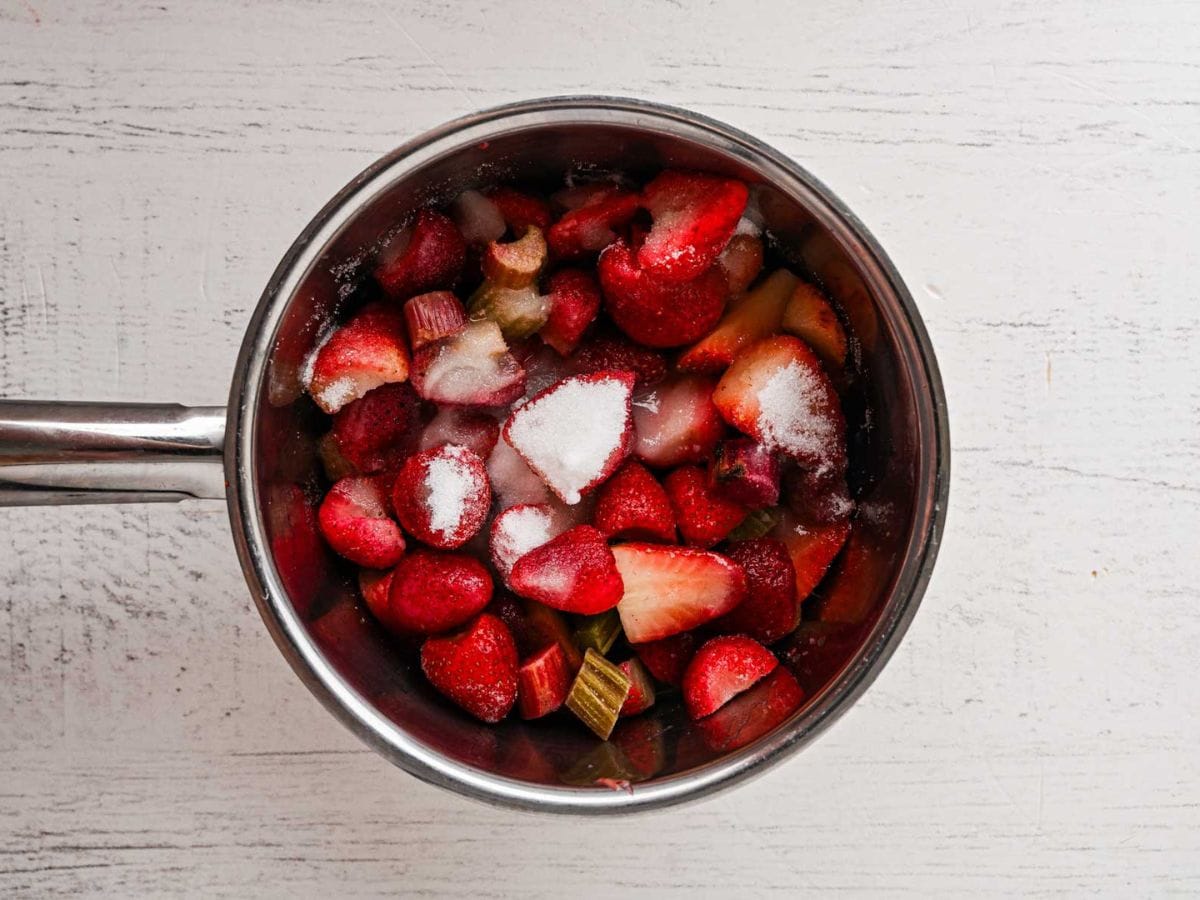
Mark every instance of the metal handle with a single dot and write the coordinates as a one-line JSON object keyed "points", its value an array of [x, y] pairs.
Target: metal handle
{"points": [[58, 453]]}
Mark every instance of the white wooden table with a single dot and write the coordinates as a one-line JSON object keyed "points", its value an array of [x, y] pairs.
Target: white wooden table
{"points": [[1033, 168]]}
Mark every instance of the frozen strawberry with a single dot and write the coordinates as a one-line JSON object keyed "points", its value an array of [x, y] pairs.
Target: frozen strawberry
{"points": [[574, 299], [479, 219], [673, 589], [592, 221], [425, 257], [518, 530], [777, 393], [455, 425], [431, 317], [475, 668], [752, 714], [746, 472], [519, 210], [817, 651], [694, 217], [810, 316], [654, 311], [575, 572], [771, 609], [617, 354], [355, 522], [704, 516], [442, 495], [299, 554], [641, 688], [375, 587], [812, 548], [749, 319], [741, 261], [816, 499], [723, 668], [367, 351], [575, 433], [542, 682], [432, 592], [471, 368], [513, 482], [378, 431], [633, 505], [676, 422], [667, 658]]}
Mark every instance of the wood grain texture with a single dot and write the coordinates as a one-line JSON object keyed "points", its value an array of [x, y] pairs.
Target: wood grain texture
{"points": [[1032, 168]]}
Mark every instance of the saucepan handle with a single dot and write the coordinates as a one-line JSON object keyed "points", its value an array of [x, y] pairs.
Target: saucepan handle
{"points": [[63, 453]]}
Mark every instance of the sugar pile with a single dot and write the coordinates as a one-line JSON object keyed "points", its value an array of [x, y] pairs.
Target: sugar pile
{"points": [[517, 531], [790, 417], [450, 483]]}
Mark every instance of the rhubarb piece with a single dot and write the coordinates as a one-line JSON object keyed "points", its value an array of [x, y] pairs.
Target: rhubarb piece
{"points": [[367, 351], [641, 688], [519, 311], [475, 668], [441, 496], [752, 714], [617, 354], [432, 317], [676, 422], [432, 592], [771, 609], [723, 668], [810, 316], [547, 626], [425, 257], [518, 530], [333, 461], [375, 587], [355, 522], [746, 472], [479, 219], [667, 658], [704, 517], [598, 693], [380, 430], [749, 319], [694, 217], [519, 210], [592, 221], [599, 632], [633, 505], [673, 589], [574, 572], [811, 548], [575, 433], [574, 300], [471, 368], [476, 431], [741, 261], [817, 499], [758, 522], [654, 311], [513, 482], [515, 264], [542, 683]]}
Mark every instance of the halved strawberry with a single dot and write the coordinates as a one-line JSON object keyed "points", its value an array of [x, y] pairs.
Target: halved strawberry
{"points": [[676, 421], [574, 572], [750, 318], [741, 261], [433, 316], [455, 425], [380, 430], [694, 217], [618, 354], [355, 521], [595, 214], [367, 351], [746, 472], [704, 517], [810, 316], [816, 499], [519, 210], [574, 300], [475, 668], [425, 257], [432, 592], [471, 368], [375, 587], [778, 393], [771, 609], [668, 658], [812, 548], [479, 219], [575, 433], [752, 714], [641, 689], [654, 311], [673, 589], [723, 668], [513, 482], [441, 496], [633, 505], [519, 530], [543, 681]]}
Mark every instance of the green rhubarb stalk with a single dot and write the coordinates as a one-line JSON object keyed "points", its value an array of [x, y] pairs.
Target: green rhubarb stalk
{"points": [[598, 694], [599, 632]]}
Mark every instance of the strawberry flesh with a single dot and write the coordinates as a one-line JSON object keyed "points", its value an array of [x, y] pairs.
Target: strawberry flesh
{"points": [[771, 609], [518, 530], [475, 668], [752, 714], [574, 572], [694, 217], [598, 212], [574, 299], [676, 422], [812, 548], [355, 522], [741, 261], [519, 210], [668, 658], [633, 505], [375, 587], [723, 668], [704, 516], [380, 430], [367, 351], [750, 318], [428, 257]]}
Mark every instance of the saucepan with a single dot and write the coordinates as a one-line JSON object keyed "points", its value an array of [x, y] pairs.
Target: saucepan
{"points": [[259, 454]]}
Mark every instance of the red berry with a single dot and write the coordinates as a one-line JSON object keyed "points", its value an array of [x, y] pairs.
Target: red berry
{"points": [[694, 217], [518, 209], [591, 224], [366, 352], [641, 689], [746, 472], [441, 496], [574, 299], [575, 572], [378, 431], [723, 668], [667, 658], [475, 668], [752, 714], [704, 517], [432, 592], [356, 523], [476, 431], [633, 505], [618, 354], [676, 421], [771, 609], [426, 257]]}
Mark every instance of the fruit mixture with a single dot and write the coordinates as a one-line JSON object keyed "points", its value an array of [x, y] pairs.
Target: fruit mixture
{"points": [[586, 450]]}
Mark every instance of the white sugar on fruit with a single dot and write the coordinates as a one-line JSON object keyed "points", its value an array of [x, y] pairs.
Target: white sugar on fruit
{"points": [[337, 393], [449, 484], [789, 415], [519, 531]]}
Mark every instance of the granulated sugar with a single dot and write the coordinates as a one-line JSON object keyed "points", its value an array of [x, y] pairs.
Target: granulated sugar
{"points": [[789, 418], [517, 531], [450, 484]]}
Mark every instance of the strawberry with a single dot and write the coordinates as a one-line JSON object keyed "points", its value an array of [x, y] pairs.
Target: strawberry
{"points": [[676, 421], [723, 668], [749, 319], [591, 223], [454, 425], [777, 393], [365, 352], [817, 500], [673, 589], [574, 302], [704, 517], [518, 530], [542, 682], [654, 311], [519, 210], [694, 217], [300, 556], [810, 316], [617, 354], [475, 668], [812, 548], [641, 689], [432, 592], [752, 714], [667, 658], [375, 587], [379, 430], [575, 433], [741, 261], [633, 505], [426, 257], [574, 572], [470, 368], [771, 609], [545, 626], [745, 472], [817, 651], [479, 219], [355, 522], [431, 317], [850, 594], [513, 482], [441, 496]]}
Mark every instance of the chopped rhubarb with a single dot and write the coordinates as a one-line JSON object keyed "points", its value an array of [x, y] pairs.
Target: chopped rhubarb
{"points": [[599, 632], [746, 472], [741, 261], [431, 317], [471, 368], [542, 683], [598, 693], [478, 218]]}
